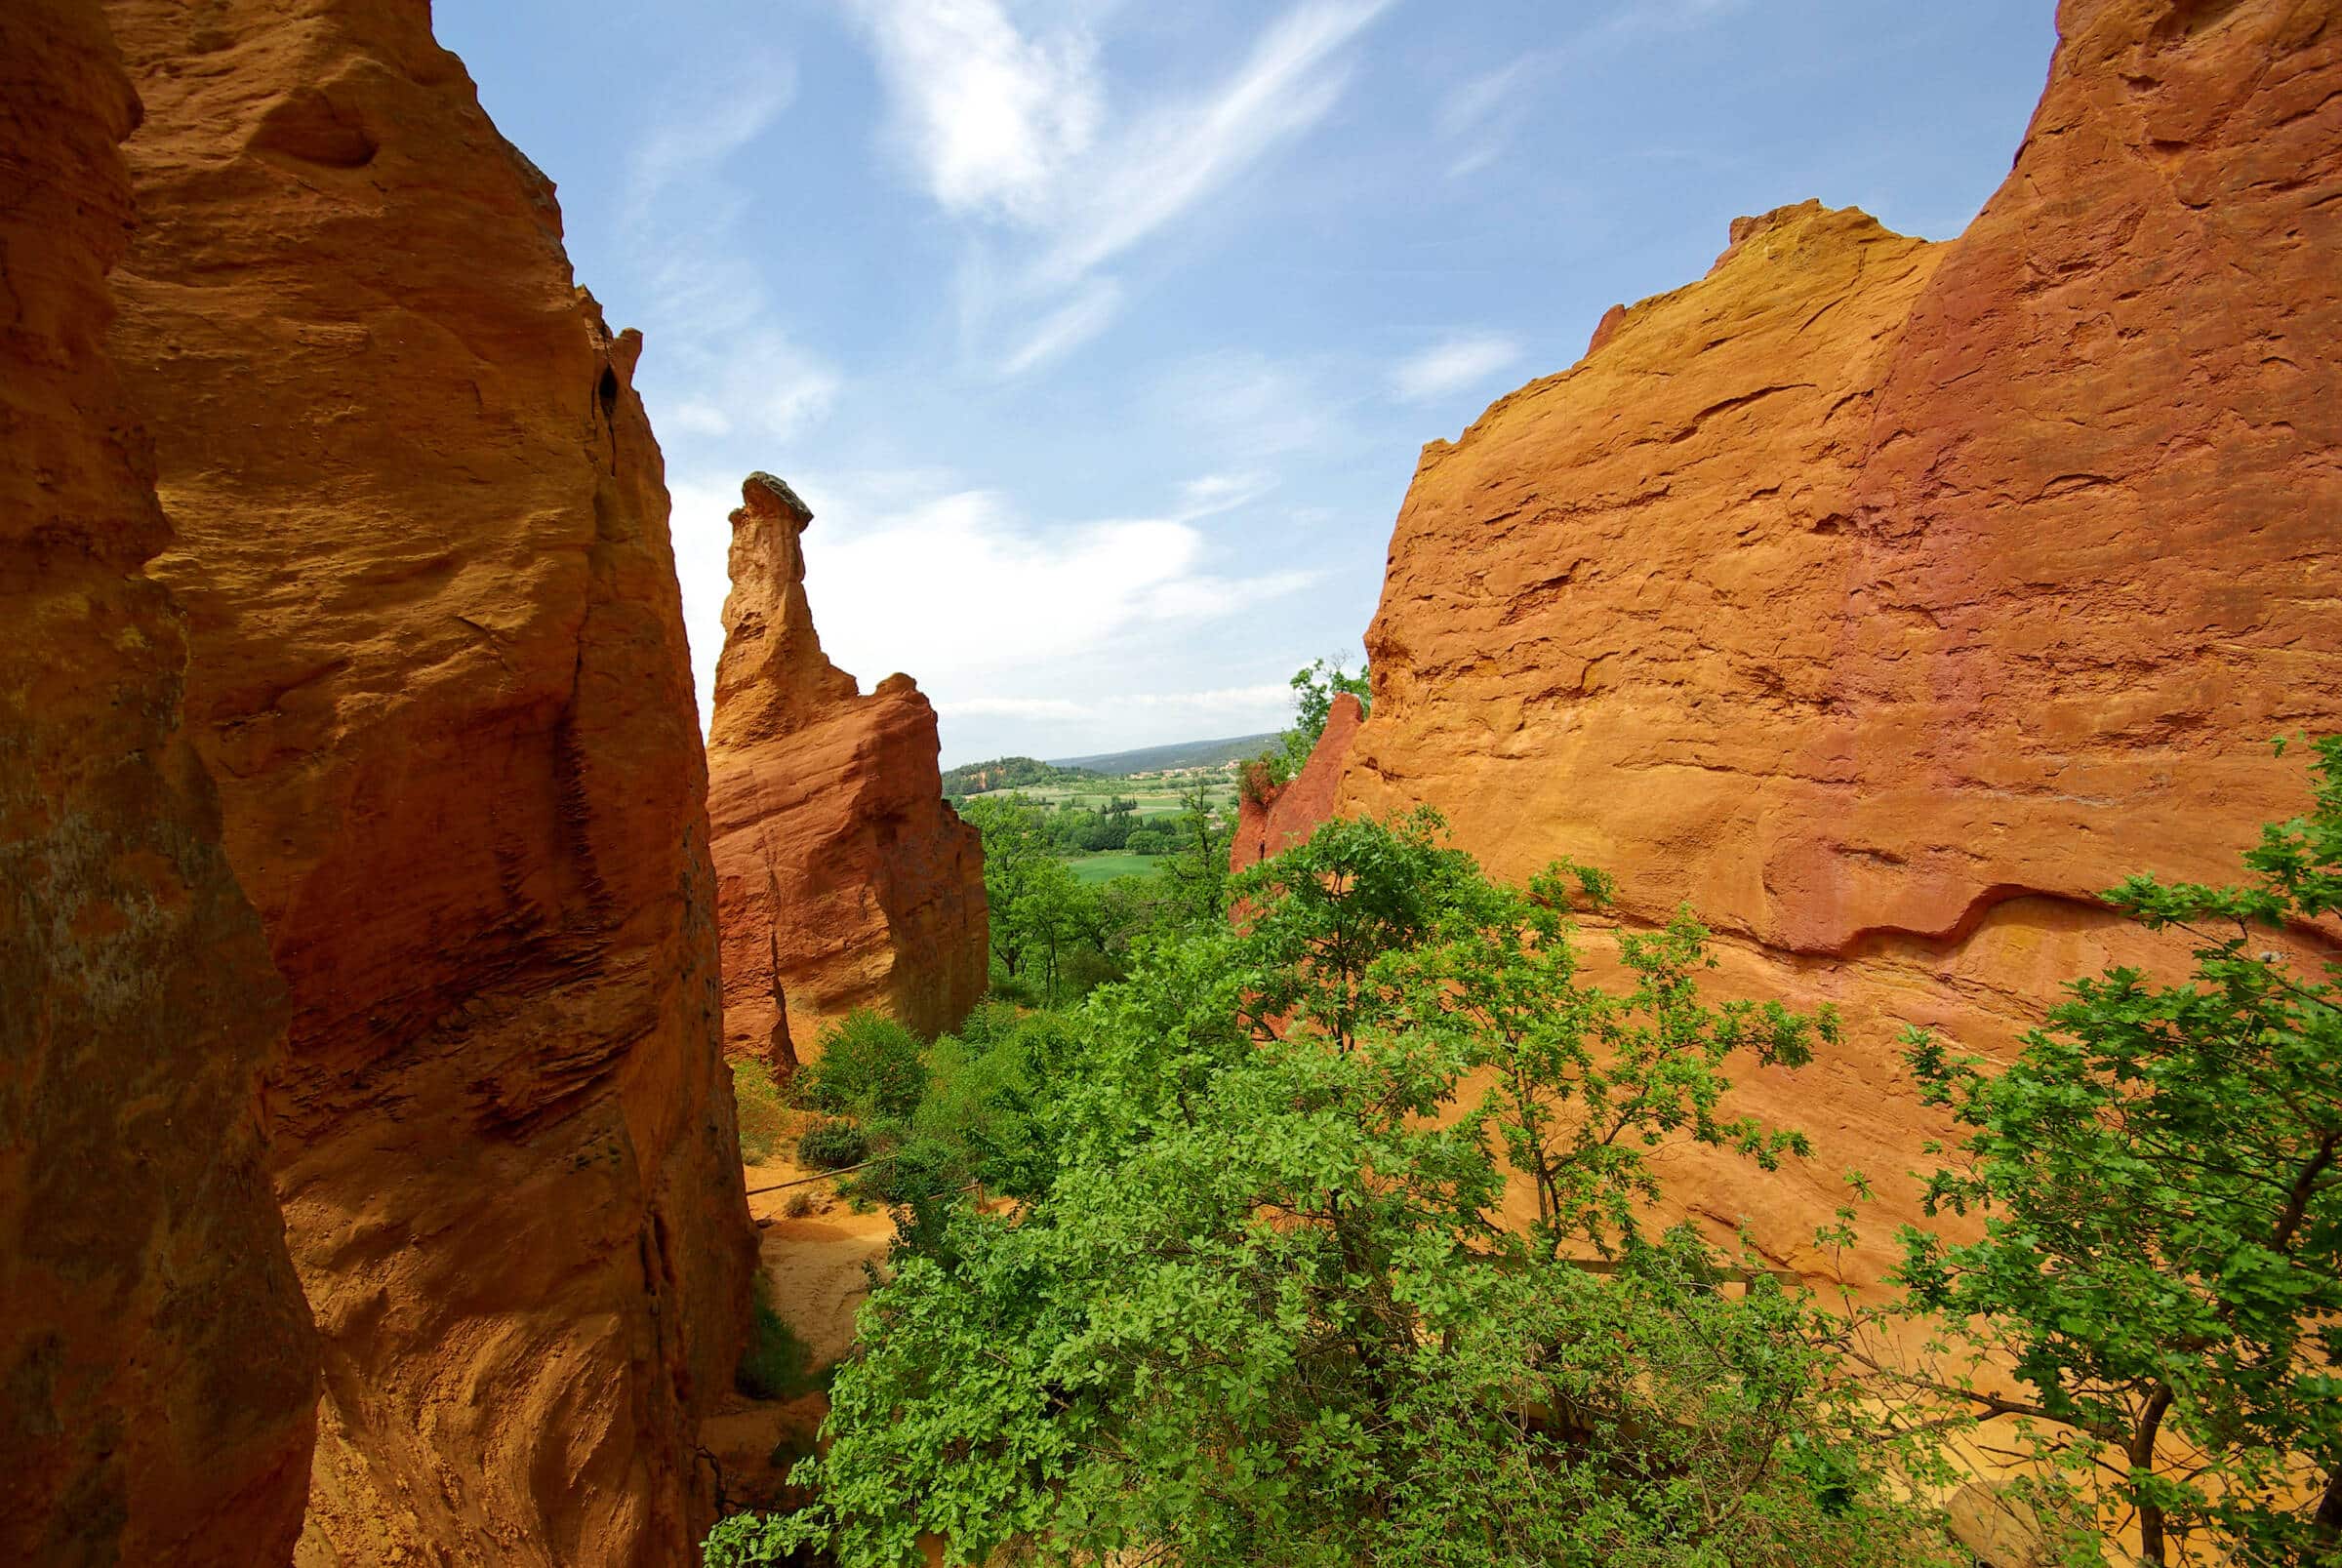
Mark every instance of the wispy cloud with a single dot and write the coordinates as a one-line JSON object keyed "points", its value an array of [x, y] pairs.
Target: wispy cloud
{"points": [[1011, 131], [1216, 493], [1452, 366], [1247, 408], [1671, 15], [1478, 117], [951, 584], [718, 362], [1071, 325], [1269, 702]]}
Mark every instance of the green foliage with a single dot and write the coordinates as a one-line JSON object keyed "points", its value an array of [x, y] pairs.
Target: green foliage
{"points": [[1315, 688], [2159, 1179], [832, 1145], [762, 1114], [1255, 1304], [870, 1068], [1149, 841], [777, 1364]]}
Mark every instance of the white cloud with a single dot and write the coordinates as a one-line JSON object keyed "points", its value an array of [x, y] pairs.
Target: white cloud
{"points": [[989, 117], [1270, 699], [1013, 708], [1452, 366], [970, 597], [1011, 127]]}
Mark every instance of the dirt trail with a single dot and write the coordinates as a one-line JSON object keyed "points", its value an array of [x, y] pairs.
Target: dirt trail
{"points": [[814, 1266]]}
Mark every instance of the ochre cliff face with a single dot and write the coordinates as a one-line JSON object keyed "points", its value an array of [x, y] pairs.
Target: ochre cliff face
{"points": [[1884, 601], [439, 673], [157, 1365], [1307, 799], [844, 879]]}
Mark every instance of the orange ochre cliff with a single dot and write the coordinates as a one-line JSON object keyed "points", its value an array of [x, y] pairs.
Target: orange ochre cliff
{"points": [[158, 1372], [439, 673], [1887, 600], [843, 878]]}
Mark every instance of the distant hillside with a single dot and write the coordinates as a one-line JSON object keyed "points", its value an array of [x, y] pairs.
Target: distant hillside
{"points": [[1182, 755], [1009, 773]]}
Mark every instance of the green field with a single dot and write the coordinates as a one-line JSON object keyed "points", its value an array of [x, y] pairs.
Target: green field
{"points": [[1106, 867]]}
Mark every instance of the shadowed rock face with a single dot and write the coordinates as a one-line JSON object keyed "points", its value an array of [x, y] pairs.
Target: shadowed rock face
{"points": [[1885, 600], [158, 1370], [439, 671], [844, 878]]}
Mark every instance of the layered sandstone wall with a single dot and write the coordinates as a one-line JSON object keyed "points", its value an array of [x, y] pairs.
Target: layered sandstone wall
{"points": [[157, 1365], [844, 878], [1307, 799], [439, 671], [1885, 600]]}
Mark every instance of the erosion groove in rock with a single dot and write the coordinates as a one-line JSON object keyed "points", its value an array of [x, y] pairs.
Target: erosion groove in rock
{"points": [[844, 878], [157, 1365], [439, 671], [1885, 600]]}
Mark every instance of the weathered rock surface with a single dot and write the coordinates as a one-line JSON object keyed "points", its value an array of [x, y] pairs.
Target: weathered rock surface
{"points": [[843, 878], [1307, 799], [1885, 600], [439, 671], [157, 1365]]}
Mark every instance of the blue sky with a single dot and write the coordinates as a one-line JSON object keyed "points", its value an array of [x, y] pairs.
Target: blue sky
{"points": [[1102, 335]]}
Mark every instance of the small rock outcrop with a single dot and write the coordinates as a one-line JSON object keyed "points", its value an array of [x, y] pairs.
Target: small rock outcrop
{"points": [[843, 878], [1885, 600], [1264, 827], [439, 671], [158, 1371]]}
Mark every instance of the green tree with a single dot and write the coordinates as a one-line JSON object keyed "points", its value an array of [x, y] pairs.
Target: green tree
{"points": [[1257, 1307], [1315, 687], [2159, 1179], [1016, 858], [1195, 873]]}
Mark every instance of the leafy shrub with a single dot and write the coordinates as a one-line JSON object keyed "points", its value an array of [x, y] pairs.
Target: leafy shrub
{"points": [[869, 1068], [832, 1145], [1259, 778], [1149, 841], [777, 1364], [764, 1116]]}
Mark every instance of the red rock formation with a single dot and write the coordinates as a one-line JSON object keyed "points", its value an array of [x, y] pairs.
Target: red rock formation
{"points": [[1887, 600], [1307, 799], [157, 1366], [439, 671], [842, 878]]}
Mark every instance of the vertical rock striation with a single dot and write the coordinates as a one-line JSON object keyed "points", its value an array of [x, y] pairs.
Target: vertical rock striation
{"points": [[157, 1366], [439, 671], [844, 878], [1887, 600]]}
